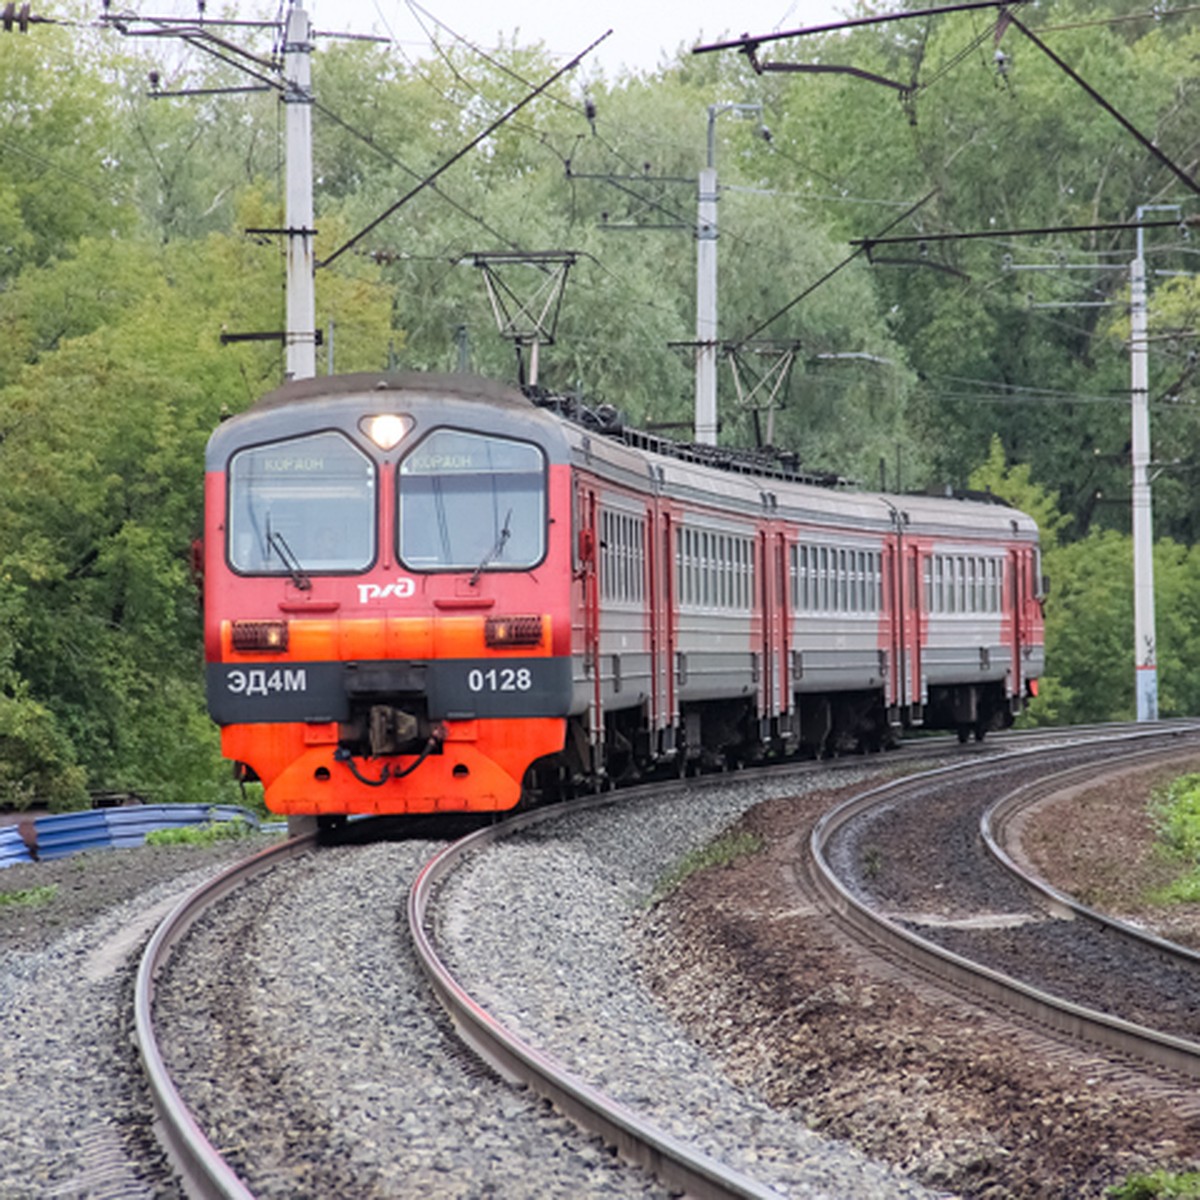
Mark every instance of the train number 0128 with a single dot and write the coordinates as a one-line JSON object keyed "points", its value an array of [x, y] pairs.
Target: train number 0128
{"points": [[500, 679]]}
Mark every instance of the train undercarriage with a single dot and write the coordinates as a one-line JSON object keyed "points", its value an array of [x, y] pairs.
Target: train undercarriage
{"points": [[723, 735]]}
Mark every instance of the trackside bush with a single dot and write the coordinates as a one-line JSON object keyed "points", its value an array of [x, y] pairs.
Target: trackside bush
{"points": [[1175, 810], [201, 835], [1161, 1185]]}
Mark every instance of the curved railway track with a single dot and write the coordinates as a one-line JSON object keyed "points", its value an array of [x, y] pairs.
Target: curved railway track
{"points": [[990, 928], [206, 1172], [639, 1140], [202, 1168]]}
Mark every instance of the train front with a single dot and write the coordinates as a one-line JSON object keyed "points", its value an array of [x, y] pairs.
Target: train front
{"points": [[387, 568]]}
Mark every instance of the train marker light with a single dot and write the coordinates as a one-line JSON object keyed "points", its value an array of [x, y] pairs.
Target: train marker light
{"points": [[387, 430], [260, 635], [513, 631]]}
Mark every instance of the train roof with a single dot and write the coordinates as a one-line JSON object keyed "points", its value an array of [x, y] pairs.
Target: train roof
{"points": [[748, 482], [339, 401], [751, 483]]}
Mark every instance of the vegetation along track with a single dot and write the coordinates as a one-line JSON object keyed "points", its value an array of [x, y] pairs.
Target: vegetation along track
{"points": [[906, 867]]}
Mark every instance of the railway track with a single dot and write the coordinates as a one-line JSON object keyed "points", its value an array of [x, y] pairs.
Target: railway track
{"points": [[977, 921], [206, 1172], [215, 1153], [641, 1139]]}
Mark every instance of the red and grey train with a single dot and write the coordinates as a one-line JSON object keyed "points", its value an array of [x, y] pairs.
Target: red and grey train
{"points": [[430, 593]]}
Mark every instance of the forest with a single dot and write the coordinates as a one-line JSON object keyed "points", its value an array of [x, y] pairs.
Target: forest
{"points": [[926, 228]]}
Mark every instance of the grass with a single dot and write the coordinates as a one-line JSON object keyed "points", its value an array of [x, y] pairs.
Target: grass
{"points": [[1161, 1185], [722, 852], [31, 897], [201, 835], [1175, 810]]}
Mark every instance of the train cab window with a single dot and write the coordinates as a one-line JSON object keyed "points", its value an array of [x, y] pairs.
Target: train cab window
{"points": [[470, 502], [301, 505]]}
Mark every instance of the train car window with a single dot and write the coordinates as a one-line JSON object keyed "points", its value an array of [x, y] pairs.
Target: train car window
{"points": [[470, 501], [302, 505], [622, 557]]}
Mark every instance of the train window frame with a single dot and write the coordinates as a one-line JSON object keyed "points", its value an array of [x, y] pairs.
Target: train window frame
{"points": [[623, 556], [488, 555], [292, 546]]}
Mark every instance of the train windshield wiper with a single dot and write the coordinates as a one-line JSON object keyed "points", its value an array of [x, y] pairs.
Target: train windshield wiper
{"points": [[278, 543], [496, 550]]}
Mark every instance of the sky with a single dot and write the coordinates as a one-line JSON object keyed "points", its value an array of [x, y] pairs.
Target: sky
{"points": [[641, 31]]}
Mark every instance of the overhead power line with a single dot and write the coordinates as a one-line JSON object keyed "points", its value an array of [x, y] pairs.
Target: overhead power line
{"points": [[461, 153]]}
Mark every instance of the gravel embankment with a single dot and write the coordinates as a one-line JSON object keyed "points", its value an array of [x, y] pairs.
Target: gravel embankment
{"points": [[74, 1110], [948, 1092], [330, 963], [557, 959], [554, 933]]}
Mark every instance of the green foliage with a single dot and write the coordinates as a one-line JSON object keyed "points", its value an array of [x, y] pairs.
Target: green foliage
{"points": [[123, 257], [34, 897], [723, 851], [1158, 1185], [37, 761], [59, 119], [201, 835], [1175, 810], [1014, 485]]}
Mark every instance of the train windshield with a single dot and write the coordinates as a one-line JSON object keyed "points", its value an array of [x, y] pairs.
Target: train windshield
{"points": [[470, 502], [301, 505]]}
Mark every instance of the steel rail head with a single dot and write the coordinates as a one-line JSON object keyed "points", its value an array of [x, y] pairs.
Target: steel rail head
{"points": [[637, 1140], [1065, 1017], [205, 1175]]}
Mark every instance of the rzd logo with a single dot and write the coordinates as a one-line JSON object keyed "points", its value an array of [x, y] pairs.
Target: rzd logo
{"points": [[402, 589]]}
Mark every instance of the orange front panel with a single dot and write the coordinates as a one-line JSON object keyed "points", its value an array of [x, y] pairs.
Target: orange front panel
{"points": [[480, 768]]}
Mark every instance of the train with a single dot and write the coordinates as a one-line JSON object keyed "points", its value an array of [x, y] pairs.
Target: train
{"points": [[432, 593]]}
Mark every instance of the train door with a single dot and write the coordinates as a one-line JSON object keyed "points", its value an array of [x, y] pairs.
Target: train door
{"points": [[662, 625], [766, 640], [1017, 593], [587, 551], [915, 628], [783, 627], [902, 595]]}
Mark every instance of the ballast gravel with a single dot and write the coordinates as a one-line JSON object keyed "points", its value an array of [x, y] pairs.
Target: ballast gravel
{"points": [[361, 1086], [74, 1107], [556, 960]]}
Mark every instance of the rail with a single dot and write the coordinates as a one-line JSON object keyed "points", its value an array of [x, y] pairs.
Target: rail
{"points": [[637, 1140], [1063, 1016], [204, 1172]]}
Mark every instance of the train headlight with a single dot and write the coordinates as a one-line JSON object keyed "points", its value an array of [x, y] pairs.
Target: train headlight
{"points": [[513, 631], [386, 430], [260, 635]]}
